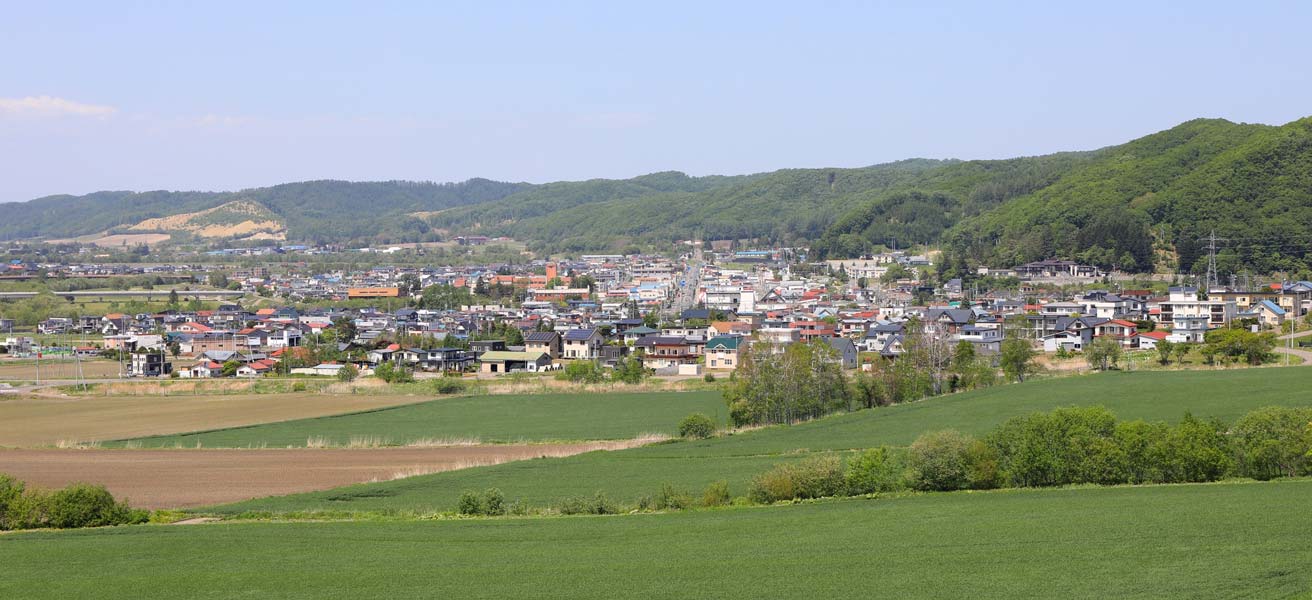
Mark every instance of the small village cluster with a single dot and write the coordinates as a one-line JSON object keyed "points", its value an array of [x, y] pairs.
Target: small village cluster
{"points": [[687, 316]]}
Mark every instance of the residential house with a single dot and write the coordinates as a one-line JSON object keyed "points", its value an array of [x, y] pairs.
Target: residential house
{"points": [[478, 347], [632, 335], [1119, 329], [987, 340], [1070, 340], [1148, 340], [723, 352], [501, 361], [438, 359], [255, 369], [1184, 301], [582, 344], [665, 351], [947, 321], [543, 341], [1267, 313], [845, 349], [1189, 329], [203, 370], [149, 364]]}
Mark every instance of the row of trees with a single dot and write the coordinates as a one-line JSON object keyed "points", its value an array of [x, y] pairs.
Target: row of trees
{"points": [[1062, 447], [803, 381], [786, 384], [627, 370], [930, 365]]}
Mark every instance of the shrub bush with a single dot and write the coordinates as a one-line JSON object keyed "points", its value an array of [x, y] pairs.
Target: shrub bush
{"points": [[1193, 451], [491, 503], [1052, 448], [596, 505], [85, 505], [940, 460], [298, 386], [716, 494], [1274, 442], [1140, 444], [881, 469], [984, 472], [697, 426], [11, 491], [582, 371], [469, 503], [672, 498], [30, 510], [494, 503], [447, 385], [392, 373], [709, 378], [813, 477]]}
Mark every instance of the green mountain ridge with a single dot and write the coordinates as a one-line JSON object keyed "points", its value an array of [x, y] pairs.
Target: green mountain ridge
{"points": [[1143, 205]]}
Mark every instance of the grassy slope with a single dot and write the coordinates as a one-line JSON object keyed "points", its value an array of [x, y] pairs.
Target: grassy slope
{"points": [[536, 417], [1187, 541], [627, 475]]}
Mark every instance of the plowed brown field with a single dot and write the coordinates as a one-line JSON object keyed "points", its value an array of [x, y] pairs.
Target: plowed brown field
{"points": [[190, 478], [47, 420]]}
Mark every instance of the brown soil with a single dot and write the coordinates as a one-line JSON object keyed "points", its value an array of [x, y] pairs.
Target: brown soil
{"points": [[28, 421], [189, 478], [58, 368]]}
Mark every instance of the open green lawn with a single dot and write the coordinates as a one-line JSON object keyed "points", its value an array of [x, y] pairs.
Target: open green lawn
{"points": [[629, 474], [494, 418], [1226, 540]]}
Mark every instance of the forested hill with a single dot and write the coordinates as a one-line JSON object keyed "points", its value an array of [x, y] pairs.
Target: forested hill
{"points": [[788, 206], [1141, 205], [313, 211]]}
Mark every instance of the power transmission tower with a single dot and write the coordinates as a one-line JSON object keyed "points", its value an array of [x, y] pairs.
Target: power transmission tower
{"points": [[1211, 240]]}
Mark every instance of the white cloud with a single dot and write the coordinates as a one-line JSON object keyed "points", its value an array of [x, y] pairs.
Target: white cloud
{"points": [[49, 106]]}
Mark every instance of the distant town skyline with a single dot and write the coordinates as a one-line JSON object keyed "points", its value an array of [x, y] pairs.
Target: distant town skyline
{"points": [[142, 97]]}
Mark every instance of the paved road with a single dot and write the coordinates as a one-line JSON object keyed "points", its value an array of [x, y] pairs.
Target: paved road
{"points": [[686, 297], [1295, 351]]}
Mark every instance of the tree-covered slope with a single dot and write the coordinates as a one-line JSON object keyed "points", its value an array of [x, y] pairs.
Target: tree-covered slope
{"points": [[1108, 211], [322, 211], [1138, 206], [792, 205]]}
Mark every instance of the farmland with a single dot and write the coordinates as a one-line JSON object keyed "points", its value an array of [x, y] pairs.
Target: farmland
{"points": [[630, 474], [57, 368], [187, 478], [45, 420], [1184, 541], [488, 419]]}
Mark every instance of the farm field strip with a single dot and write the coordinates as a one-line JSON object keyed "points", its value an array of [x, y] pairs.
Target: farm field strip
{"points": [[630, 474], [189, 478], [1181, 541], [485, 418], [57, 368], [28, 421]]}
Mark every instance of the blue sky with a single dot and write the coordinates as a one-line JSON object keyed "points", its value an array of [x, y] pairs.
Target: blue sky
{"points": [[118, 95]]}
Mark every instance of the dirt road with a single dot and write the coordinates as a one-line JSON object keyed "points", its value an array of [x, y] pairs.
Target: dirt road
{"points": [[190, 478]]}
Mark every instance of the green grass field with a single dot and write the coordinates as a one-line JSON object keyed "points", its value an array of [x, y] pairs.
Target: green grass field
{"points": [[629, 474], [494, 418], [1186, 541]]}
